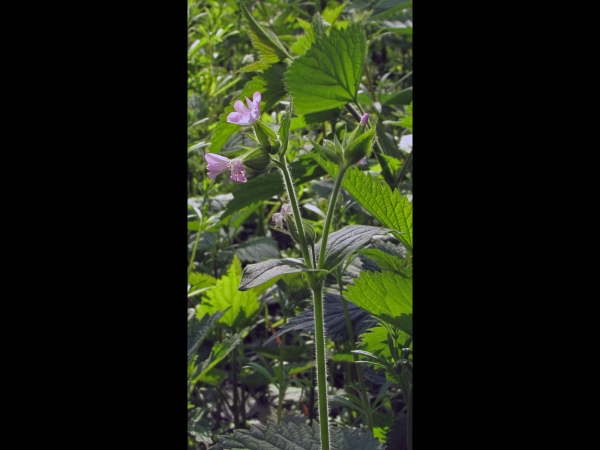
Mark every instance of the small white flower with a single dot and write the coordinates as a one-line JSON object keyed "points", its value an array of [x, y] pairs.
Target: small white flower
{"points": [[286, 210], [278, 219], [406, 143]]}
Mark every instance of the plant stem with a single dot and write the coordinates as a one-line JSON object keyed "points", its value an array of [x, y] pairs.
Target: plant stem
{"points": [[235, 390], [193, 258], [330, 210], [281, 387], [317, 287], [283, 166]]}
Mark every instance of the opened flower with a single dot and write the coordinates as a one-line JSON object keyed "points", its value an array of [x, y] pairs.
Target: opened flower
{"points": [[218, 164], [286, 210], [243, 115], [278, 219]]}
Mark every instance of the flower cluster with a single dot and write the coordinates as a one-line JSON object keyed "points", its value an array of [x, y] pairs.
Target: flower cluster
{"points": [[278, 218]]}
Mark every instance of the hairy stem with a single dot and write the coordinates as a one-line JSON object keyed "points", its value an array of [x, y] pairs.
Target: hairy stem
{"points": [[283, 166], [281, 375], [317, 287], [330, 210]]}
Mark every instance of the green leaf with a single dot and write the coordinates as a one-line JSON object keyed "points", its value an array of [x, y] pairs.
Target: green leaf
{"points": [[218, 352], [266, 186], [329, 73], [375, 341], [269, 84], [389, 207], [403, 97], [243, 305], [344, 401], [385, 260], [213, 377], [335, 320], [385, 295], [266, 43], [257, 249], [259, 273], [197, 331], [297, 437], [387, 8], [344, 242]]}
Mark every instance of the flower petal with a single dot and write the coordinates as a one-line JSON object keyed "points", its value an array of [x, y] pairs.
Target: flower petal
{"points": [[240, 107]]}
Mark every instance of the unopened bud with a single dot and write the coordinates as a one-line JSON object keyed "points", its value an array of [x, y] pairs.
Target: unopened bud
{"points": [[257, 160]]}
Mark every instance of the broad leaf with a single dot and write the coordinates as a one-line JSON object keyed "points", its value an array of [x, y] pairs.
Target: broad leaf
{"points": [[257, 249], [375, 341], [403, 97], [297, 437], [259, 273], [329, 73], [385, 260], [243, 305], [335, 320], [385, 295], [346, 241]]}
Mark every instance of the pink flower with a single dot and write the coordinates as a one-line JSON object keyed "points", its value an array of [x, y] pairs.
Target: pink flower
{"points": [[237, 170], [218, 164], [363, 162], [363, 120], [243, 115]]}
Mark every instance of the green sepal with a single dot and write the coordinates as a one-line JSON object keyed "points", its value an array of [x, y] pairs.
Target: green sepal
{"points": [[266, 136], [359, 147]]}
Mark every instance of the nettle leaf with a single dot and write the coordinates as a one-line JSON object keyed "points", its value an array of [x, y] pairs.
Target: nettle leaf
{"points": [[269, 84], [386, 295], [344, 242], [385, 260], [266, 43], [207, 372], [197, 331], [389, 207], [243, 305], [329, 73], [335, 321], [257, 249], [293, 436], [266, 186], [259, 273], [375, 341]]}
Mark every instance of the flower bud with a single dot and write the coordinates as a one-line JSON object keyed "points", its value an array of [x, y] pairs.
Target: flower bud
{"points": [[257, 160], [359, 147], [266, 136]]}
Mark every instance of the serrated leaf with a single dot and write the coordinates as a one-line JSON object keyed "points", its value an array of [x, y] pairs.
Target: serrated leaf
{"points": [[218, 352], [385, 295], [375, 341], [266, 186], [385, 260], [335, 320], [259, 273], [266, 43], [257, 249], [342, 243], [389, 207], [213, 377], [328, 74], [269, 84], [243, 305], [201, 280], [197, 331], [291, 436]]}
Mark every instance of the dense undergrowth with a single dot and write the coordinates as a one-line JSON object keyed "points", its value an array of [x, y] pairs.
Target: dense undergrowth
{"points": [[300, 240]]}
